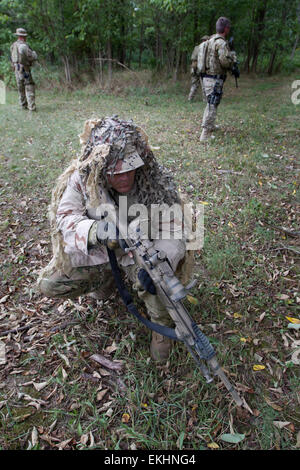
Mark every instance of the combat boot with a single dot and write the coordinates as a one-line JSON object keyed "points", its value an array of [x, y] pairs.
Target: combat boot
{"points": [[204, 135], [104, 292], [160, 347]]}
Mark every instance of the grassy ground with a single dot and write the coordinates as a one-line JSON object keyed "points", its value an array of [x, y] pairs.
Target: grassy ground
{"points": [[52, 394]]}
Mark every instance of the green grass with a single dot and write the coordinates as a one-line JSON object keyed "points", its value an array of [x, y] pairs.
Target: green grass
{"points": [[248, 179]]}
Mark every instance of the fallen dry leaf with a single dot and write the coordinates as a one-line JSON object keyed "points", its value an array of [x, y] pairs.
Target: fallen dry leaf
{"points": [[293, 320], [101, 394], [273, 405], [298, 440], [114, 365], [125, 418], [295, 357], [258, 367], [4, 299], [84, 439], [111, 348], [281, 424], [34, 437], [40, 386], [63, 444], [282, 296], [213, 445]]}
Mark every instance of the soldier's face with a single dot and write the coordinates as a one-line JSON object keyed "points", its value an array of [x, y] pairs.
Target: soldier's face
{"points": [[122, 182], [227, 30]]}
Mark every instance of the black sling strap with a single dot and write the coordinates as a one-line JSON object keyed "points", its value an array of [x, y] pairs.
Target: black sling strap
{"points": [[128, 301]]}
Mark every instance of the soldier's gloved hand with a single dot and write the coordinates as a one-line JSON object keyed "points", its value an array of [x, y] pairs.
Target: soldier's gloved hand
{"points": [[146, 281], [107, 234]]}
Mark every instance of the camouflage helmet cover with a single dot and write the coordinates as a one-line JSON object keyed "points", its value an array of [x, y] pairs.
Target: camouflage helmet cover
{"points": [[122, 137], [109, 140], [132, 161]]}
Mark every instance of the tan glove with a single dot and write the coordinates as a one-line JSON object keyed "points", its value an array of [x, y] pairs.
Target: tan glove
{"points": [[105, 233]]}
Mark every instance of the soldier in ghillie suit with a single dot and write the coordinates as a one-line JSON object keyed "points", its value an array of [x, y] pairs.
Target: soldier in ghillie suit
{"points": [[196, 78], [22, 59], [116, 160], [218, 60]]}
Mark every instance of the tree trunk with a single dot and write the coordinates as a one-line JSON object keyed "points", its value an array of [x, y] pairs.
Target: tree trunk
{"points": [[295, 46], [141, 45], [100, 68], [66, 63], [250, 40], [175, 73], [109, 67], [195, 23], [297, 37], [278, 36], [158, 45], [260, 16], [122, 55]]}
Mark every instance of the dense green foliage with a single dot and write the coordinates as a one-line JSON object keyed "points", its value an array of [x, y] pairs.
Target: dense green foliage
{"points": [[157, 33]]}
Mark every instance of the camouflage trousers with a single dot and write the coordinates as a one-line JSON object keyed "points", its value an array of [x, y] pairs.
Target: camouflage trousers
{"points": [[84, 280], [26, 89], [210, 112], [196, 82]]}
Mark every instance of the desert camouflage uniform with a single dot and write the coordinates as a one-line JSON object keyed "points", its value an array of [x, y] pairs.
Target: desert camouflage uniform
{"points": [[89, 269], [219, 60], [22, 58]]}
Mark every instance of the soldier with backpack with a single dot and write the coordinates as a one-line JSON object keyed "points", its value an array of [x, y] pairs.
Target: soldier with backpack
{"points": [[214, 60], [195, 76], [22, 59]]}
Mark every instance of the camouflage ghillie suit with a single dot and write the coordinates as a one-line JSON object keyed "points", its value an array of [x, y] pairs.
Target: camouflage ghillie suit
{"points": [[79, 265], [22, 58], [219, 60], [196, 78]]}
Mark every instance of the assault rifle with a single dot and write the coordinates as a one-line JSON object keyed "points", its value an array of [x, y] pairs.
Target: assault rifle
{"points": [[235, 69], [172, 294]]}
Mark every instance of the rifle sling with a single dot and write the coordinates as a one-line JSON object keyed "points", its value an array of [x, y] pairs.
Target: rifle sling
{"points": [[128, 301]]}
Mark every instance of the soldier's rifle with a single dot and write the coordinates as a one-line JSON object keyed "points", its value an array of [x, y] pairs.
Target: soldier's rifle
{"points": [[172, 294]]}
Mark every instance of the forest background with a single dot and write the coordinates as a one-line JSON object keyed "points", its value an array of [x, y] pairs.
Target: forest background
{"points": [[90, 39]]}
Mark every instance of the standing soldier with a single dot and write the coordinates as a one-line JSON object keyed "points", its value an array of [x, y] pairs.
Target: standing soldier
{"points": [[218, 59], [22, 58], [195, 76]]}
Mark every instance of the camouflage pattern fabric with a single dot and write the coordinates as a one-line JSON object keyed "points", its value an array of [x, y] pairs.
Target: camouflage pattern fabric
{"points": [[22, 58], [210, 112], [219, 60], [26, 89], [76, 268], [79, 281], [99, 279], [196, 80], [219, 57]]}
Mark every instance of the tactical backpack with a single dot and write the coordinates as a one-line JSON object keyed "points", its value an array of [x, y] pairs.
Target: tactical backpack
{"points": [[15, 53], [18, 57], [202, 53], [201, 59]]}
